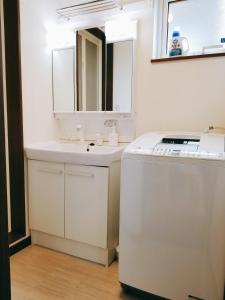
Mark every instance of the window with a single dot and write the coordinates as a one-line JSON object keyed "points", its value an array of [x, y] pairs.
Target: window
{"points": [[202, 22]]}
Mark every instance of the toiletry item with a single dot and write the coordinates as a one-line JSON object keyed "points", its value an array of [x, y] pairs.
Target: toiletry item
{"points": [[80, 133], [215, 48], [220, 48], [113, 137], [99, 139], [178, 45]]}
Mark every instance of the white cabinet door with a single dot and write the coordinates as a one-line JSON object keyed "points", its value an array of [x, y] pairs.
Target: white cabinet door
{"points": [[46, 197], [86, 197]]}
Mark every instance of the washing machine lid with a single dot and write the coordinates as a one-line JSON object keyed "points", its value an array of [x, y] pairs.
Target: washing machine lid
{"points": [[196, 145]]}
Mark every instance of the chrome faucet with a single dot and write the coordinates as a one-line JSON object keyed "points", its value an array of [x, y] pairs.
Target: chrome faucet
{"points": [[110, 123]]}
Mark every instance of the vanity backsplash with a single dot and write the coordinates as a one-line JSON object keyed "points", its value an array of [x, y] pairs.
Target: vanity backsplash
{"points": [[93, 124]]}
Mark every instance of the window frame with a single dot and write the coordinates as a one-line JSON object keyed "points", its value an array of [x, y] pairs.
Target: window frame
{"points": [[160, 35], [165, 25], [161, 27]]}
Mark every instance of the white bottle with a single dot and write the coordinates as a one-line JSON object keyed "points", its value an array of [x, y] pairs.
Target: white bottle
{"points": [[178, 45], [99, 139], [80, 133], [113, 137]]}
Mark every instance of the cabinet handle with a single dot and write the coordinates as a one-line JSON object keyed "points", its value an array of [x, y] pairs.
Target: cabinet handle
{"points": [[80, 174], [51, 171]]}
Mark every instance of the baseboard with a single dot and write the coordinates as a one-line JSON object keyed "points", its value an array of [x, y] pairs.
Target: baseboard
{"points": [[89, 252], [13, 249]]}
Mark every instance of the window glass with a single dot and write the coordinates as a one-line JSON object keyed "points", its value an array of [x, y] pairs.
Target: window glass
{"points": [[202, 22]]}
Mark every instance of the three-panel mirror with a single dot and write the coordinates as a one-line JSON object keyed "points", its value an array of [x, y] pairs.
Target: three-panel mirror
{"points": [[94, 75]]}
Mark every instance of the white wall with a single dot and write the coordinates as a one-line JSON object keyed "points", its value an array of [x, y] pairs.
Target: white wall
{"points": [[36, 70], [182, 95]]}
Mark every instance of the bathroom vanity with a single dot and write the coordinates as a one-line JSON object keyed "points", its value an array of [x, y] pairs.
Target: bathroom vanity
{"points": [[73, 193], [74, 198]]}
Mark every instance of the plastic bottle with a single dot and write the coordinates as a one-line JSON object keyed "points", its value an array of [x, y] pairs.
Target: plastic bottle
{"points": [[99, 139], [178, 45], [113, 137], [80, 133]]}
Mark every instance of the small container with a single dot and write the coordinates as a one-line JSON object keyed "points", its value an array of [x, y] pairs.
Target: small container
{"points": [[178, 45], [113, 137], [99, 139], [80, 133]]}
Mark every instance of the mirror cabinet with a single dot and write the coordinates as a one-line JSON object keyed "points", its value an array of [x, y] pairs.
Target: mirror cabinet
{"points": [[94, 75]]}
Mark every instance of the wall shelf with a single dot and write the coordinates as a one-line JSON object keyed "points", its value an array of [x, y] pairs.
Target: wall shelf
{"points": [[170, 59]]}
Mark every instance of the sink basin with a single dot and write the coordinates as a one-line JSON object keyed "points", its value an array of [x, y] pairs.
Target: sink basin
{"points": [[75, 153]]}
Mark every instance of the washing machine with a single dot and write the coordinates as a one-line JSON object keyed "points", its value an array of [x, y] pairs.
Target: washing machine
{"points": [[172, 216]]}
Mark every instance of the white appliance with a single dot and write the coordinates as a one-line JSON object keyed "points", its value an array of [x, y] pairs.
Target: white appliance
{"points": [[172, 223]]}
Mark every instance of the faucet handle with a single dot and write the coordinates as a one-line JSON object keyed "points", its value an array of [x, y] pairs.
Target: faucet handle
{"points": [[110, 123]]}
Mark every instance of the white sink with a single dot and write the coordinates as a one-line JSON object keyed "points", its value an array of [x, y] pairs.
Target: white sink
{"points": [[75, 153]]}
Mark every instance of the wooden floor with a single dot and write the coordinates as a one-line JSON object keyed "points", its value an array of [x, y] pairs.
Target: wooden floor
{"points": [[41, 274]]}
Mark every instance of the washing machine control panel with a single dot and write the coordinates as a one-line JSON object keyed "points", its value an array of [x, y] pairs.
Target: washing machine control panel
{"points": [[179, 153], [199, 146]]}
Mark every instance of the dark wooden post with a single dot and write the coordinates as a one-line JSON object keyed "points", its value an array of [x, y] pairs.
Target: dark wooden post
{"points": [[5, 293]]}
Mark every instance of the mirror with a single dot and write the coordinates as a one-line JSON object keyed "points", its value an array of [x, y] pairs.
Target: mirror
{"points": [[63, 80], [122, 76], [90, 70], [95, 76]]}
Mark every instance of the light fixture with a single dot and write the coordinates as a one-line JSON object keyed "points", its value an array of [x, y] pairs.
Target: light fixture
{"points": [[89, 7], [120, 29]]}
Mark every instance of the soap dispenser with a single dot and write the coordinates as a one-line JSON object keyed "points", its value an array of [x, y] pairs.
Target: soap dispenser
{"points": [[113, 137]]}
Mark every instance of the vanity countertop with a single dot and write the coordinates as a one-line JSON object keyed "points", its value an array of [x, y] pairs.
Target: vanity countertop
{"points": [[75, 152]]}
